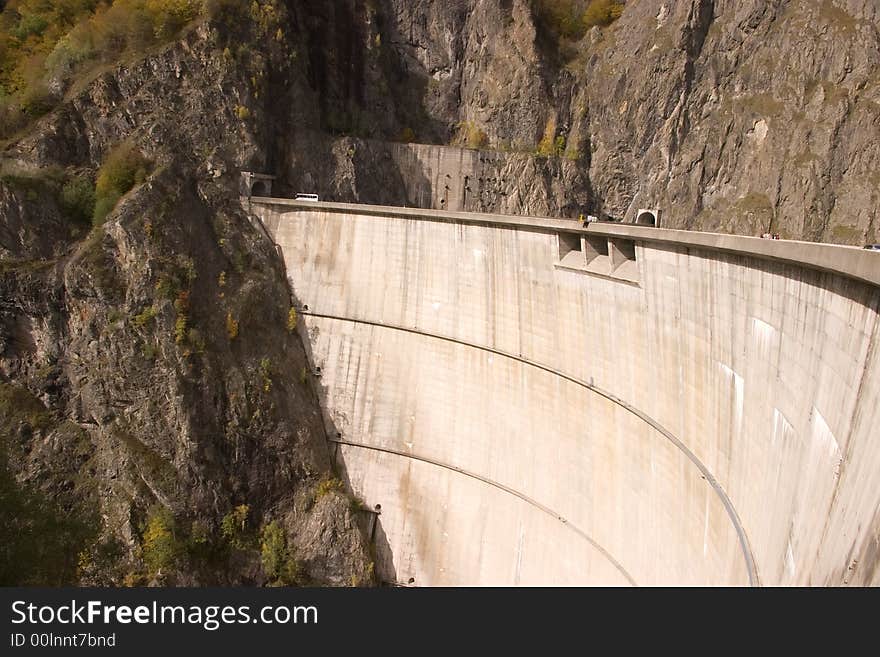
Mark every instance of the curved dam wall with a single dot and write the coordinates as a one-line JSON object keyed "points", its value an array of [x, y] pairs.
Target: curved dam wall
{"points": [[533, 402]]}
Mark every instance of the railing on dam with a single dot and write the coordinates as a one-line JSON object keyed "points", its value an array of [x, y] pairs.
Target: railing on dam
{"points": [[534, 401]]}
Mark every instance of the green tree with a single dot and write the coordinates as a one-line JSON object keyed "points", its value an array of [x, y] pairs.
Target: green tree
{"points": [[234, 527], [279, 561], [123, 168], [161, 548], [78, 199]]}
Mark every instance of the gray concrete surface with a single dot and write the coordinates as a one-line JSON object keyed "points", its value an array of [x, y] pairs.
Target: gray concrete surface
{"points": [[462, 179], [534, 402]]}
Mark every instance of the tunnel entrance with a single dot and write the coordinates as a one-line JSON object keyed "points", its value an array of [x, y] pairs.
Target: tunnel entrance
{"points": [[256, 184], [647, 218]]}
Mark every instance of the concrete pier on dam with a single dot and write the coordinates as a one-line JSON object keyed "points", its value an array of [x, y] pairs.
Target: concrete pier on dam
{"points": [[533, 402]]}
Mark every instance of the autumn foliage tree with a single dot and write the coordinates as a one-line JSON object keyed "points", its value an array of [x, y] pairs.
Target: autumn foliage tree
{"points": [[45, 44]]}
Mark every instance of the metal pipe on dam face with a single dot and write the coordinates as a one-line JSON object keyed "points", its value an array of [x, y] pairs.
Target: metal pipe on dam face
{"points": [[532, 402]]}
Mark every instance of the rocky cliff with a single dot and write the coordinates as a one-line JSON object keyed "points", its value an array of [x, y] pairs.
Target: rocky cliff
{"points": [[729, 116], [159, 422], [735, 116]]}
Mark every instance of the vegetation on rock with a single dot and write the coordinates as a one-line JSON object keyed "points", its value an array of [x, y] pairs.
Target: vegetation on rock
{"points": [[161, 548], [110, 316], [570, 19], [327, 486], [235, 528], [231, 326], [42, 535], [78, 198], [123, 168], [46, 45], [279, 561]]}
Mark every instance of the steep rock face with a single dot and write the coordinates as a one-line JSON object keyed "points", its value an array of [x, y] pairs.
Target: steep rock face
{"points": [[461, 73], [481, 65], [731, 116], [356, 170], [24, 202], [162, 342], [743, 116]]}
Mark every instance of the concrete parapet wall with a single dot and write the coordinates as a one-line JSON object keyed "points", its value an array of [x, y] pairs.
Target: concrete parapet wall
{"points": [[695, 409]]}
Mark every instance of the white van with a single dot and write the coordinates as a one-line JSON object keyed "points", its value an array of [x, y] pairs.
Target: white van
{"points": [[306, 197]]}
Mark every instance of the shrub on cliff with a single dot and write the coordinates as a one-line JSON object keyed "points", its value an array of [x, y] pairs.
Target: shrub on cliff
{"points": [[561, 17], [231, 326], [327, 486], [161, 549], [123, 168], [279, 560], [169, 16], [569, 20], [602, 13], [235, 529], [551, 144], [43, 41], [472, 136], [78, 199]]}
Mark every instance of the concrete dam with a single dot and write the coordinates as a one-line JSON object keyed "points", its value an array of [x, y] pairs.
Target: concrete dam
{"points": [[533, 402]]}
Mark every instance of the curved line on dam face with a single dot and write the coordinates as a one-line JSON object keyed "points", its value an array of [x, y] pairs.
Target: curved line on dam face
{"points": [[525, 498], [745, 547]]}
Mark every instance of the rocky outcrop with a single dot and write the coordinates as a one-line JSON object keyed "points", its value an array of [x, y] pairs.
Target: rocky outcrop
{"points": [[162, 341], [742, 116], [354, 170], [730, 116]]}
